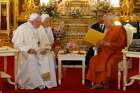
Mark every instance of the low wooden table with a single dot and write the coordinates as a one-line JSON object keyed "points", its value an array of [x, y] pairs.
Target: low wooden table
{"points": [[71, 57], [5, 53]]}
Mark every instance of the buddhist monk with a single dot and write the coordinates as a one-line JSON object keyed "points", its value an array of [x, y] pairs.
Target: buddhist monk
{"points": [[104, 65]]}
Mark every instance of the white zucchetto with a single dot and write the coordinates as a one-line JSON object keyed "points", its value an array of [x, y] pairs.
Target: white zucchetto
{"points": [[33, 16], [44, 16]]}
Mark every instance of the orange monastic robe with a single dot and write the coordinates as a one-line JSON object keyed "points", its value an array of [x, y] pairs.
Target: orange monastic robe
{"points": [[104, 64]]}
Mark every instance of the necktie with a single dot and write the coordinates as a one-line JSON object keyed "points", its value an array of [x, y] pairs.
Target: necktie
{"points": [[102, 26]]}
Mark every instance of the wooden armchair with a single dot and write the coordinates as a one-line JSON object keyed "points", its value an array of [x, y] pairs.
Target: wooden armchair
{"points": [[129, 34]]}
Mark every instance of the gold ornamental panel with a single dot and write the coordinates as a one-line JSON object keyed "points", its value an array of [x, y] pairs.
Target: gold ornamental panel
{"points": [[5, 16], [75, 29]]}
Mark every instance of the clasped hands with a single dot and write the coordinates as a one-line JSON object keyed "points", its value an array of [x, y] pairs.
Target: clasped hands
{"points": [[32, 51], [42, 51]]}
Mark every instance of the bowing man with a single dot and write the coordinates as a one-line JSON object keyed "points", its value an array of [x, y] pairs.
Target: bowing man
{"points": [[46, 41]]}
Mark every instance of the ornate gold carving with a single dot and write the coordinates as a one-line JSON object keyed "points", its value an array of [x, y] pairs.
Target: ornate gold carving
{"points": [[74, 7], [28, 7], [76, 16], [127, 7], [5, 40], [75, 29]]}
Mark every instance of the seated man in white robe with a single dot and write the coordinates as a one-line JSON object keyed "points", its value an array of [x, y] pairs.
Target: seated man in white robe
{"points": [[25, 38], [46, 41]]}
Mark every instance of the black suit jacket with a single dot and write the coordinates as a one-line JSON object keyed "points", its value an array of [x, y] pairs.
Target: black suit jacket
{"points": [[96, 26]]}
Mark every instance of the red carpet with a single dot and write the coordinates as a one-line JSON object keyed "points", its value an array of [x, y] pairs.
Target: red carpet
{"points": [[72, 84], [0, 83]]}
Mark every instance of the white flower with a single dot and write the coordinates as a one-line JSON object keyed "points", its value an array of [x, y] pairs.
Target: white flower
{"points": [[102, 5]]}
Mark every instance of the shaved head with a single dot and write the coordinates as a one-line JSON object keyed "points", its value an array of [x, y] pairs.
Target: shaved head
{"points": [[110, 16], [109, 19]]}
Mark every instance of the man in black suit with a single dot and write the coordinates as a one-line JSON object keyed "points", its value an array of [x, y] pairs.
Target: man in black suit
{"points": [[99, 26]]}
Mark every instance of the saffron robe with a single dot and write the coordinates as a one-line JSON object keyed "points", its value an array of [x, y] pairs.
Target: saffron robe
{"points": [[104, 64]]}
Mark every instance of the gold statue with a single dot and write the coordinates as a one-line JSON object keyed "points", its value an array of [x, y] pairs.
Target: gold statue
{"points": [[127, 7], [127, 11]]}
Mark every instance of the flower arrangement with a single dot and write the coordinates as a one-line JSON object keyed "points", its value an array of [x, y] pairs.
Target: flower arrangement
{"points": [[102, 6], [58, 31], [71, 46], [50, 9]]}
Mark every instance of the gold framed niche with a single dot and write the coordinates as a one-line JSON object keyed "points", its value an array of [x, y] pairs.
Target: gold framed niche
{"points": [[6, 22], [5, 16], [8, 15]]}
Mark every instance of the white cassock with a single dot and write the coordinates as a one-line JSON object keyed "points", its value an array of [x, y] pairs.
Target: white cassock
{"points": [[50, 35], [29, 76], [45, 41]]}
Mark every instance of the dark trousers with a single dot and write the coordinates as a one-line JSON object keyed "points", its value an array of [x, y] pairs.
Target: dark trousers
{"points": [[89, 54]]}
